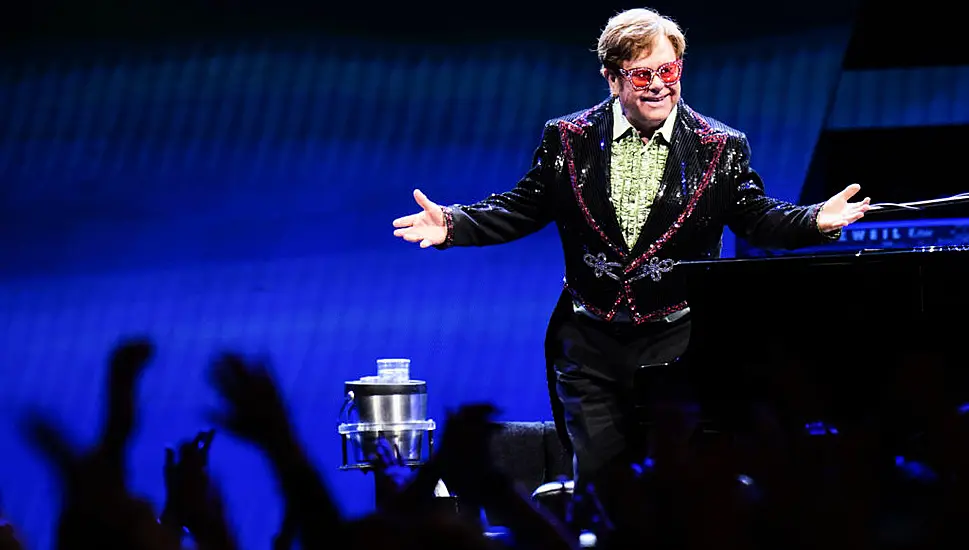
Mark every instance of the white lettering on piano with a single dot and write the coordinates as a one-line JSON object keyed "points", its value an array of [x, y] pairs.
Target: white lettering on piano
{"points": [[884, 234], [919, 232]]}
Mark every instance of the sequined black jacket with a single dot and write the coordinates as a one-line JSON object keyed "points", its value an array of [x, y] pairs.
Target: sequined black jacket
{"points": [[707, 184]]}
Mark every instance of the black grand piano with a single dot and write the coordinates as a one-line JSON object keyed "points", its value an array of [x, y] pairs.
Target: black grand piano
{"points": [[839, 338]]}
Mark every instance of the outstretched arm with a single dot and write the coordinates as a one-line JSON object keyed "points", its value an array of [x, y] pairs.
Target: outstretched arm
{"points": [[497, 219], [772, 223]]}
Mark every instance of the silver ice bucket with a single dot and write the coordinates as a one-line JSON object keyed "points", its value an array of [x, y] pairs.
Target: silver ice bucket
{"points": [[376, 409]]}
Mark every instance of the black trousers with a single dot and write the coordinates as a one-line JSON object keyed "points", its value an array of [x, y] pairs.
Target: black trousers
{"points": [[594, 363]]}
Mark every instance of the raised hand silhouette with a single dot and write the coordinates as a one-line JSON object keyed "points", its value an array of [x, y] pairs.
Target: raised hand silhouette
{"points": [[253, 407], [97, 508], [254, 410], [192, 500]]}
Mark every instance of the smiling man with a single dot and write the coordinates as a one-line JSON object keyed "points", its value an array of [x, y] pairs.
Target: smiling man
{"points": [[634, 185]]}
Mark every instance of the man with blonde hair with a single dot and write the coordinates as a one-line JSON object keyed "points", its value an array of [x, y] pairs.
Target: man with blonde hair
{"points": [[634, 185]]}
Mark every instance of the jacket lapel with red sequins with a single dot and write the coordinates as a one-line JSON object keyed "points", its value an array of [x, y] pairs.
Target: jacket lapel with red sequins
{"points": [[588, 151]]}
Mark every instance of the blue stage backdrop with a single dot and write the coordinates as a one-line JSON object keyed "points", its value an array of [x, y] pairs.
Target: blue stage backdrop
{"points": [[239, 195]]}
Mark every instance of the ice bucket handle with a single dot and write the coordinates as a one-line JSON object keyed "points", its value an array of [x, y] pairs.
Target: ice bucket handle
{"points": [[349, 404]]}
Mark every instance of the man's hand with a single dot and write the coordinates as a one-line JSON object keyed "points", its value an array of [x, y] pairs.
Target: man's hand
{"points": [[426, 227], [837, 212]]}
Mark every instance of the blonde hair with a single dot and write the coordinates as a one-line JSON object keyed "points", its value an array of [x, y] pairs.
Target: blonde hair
{"points": [[628, 34]]}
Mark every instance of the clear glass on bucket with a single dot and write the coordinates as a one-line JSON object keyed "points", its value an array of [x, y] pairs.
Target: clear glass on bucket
{"points": [[393, 371]]}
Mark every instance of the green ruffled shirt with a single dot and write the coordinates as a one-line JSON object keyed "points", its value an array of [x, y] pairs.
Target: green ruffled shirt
{"points": [[636, 171]]}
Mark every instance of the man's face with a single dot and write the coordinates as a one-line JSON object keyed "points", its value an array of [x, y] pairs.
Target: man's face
{"points": [[646, 101]]}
